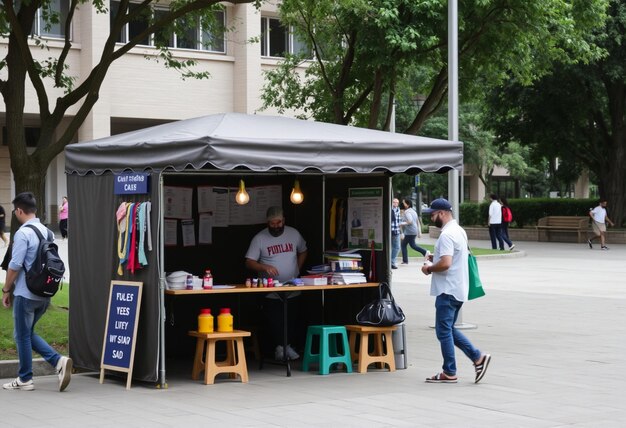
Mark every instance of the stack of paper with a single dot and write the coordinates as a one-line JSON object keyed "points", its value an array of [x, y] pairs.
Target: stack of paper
{"points": [[348, 278]]}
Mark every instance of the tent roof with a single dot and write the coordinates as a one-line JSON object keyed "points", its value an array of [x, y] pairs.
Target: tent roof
{"points": [[260, 143]]}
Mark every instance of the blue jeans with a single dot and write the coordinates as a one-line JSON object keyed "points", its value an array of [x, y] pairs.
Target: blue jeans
{"points": [[447, 312], [26, 313], [410, 240], [504, 232], [395, 248]]}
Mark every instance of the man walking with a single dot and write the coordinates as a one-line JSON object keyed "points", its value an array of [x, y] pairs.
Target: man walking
{"points": [[450, 286], [395, 232], [599, 219], [28, 308], [495, 222]]}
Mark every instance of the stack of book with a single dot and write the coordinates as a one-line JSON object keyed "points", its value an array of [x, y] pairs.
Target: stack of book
{"points": [[345, 266]]}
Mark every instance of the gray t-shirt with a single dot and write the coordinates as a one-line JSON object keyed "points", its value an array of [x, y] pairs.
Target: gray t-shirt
{"points": [[280, 251]]}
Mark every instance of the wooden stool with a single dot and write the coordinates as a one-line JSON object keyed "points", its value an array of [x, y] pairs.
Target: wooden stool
{"points": [[235, 362], [328, 348], [380, 356]]}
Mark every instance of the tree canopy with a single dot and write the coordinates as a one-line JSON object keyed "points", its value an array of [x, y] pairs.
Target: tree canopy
{"points": [[577, 113], [363, 49]]}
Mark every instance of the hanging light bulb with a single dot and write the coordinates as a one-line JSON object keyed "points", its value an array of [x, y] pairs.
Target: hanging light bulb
{"points": [[242, 196], [296, 194]]}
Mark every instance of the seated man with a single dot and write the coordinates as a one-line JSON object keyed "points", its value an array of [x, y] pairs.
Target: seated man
{"points": [[278, 252]]}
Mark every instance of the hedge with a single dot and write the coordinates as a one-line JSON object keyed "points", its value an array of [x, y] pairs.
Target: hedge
{"points": [[526, 212]]}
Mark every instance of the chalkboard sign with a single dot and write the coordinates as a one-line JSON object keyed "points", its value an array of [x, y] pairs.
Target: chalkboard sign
{"points": [[118, 350]]}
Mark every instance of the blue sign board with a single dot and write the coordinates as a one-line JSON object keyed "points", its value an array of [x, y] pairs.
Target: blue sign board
{"points": [[131, 183], [121, 328]]}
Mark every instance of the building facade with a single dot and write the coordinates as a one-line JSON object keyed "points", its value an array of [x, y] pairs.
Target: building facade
{"points": [[139, 91]]}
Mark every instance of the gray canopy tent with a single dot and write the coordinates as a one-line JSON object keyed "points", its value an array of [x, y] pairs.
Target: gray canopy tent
{"points": [[225, 145]]}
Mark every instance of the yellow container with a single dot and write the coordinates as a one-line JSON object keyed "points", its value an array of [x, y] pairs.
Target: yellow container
{"points": [[205, 321], [224, 320]]}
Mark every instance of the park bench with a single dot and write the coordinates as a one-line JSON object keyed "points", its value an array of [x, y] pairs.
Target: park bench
{"points": [[545, 225]]}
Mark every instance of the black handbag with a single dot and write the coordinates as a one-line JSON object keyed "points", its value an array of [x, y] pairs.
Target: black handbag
{"points": [[382, 312]]}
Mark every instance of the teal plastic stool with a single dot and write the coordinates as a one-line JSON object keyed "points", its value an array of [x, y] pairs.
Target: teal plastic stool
{"points": [[328, 349]]}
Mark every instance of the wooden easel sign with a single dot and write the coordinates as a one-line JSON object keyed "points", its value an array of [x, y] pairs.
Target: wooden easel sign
{"points": [[118, 349]]}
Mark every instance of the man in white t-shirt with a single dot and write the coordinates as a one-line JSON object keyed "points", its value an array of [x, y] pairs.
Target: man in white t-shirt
{"points": [[450, 286], [599, 219], [278, 252], [495, 223]]}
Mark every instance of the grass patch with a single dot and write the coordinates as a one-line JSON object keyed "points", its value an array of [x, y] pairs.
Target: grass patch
{"points": [[52, 326], [476, 251]]}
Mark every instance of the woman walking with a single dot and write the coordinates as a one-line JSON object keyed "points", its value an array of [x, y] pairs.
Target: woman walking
{"points": [[411, 228], [507, 218], [63, 215]]}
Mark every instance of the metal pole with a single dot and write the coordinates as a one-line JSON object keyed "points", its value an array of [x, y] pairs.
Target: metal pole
{"points": [[453, 98], [453, 116]]}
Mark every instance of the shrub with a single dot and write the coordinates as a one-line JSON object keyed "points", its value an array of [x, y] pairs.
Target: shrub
{"points": [[526, 212]]}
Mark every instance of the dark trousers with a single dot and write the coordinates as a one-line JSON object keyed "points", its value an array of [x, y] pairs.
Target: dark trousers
{"points": [[410, 240], [495, 233], [63, 227], [505, 234], [274, 321]]}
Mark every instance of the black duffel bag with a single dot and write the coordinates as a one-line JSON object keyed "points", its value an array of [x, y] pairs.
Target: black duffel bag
{"points": [[382, 312]]}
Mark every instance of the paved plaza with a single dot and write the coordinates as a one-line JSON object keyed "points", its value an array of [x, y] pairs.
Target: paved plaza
{"points": [[553, 319]]}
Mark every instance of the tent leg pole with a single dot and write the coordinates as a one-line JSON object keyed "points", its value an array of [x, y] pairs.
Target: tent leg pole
{"points": [[162, 374]]}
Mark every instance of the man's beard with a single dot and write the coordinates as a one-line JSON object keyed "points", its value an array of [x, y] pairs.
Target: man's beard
{"points": [[276, 231], [439, 223]]}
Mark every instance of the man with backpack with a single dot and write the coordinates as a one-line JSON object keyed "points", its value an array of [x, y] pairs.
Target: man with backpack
{"points": [[28, 307]]}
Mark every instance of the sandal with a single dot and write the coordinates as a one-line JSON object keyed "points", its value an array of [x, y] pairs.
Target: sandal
{"points": [[442, 378], [481, 368]]}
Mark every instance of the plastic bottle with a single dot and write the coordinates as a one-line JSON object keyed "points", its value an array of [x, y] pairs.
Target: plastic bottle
{"points": [[205, 321], [207, 281], [189, 282], [225, 320]]}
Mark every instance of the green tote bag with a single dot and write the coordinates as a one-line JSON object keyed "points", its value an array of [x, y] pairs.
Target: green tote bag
{"points": [[475, 284]]}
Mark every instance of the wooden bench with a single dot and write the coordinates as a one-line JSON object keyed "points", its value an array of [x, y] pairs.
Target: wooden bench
{"points": [[545, 225]]}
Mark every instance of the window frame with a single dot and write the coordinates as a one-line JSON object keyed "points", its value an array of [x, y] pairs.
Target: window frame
{"points": [[265, 39], [174, 40], [38, 24]]}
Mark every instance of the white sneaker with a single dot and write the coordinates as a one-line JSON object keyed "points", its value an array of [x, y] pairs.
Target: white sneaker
{"points": [[291, 353], [278, 353], [18, 384], [64, 370]]}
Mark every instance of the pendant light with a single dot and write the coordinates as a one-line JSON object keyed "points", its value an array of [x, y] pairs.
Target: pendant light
{"points": [[296, 194], [242, 196]]}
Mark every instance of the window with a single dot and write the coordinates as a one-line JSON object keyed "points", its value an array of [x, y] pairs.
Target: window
{"points": [[194, 36], [277, 40], [31, 136], [51, 21]]}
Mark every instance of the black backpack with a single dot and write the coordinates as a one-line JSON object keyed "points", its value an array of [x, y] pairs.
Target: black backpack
{"points": [[45, 275]]}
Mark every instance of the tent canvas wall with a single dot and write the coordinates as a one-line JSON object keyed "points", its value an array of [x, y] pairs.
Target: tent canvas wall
{"points": [[226, 145]]}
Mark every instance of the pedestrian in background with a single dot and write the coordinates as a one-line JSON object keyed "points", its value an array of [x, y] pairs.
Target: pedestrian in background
{"points": [[450, 286], [411, 228], [396, 235], [63, 216], [3, 224], [495, 223], [507, 218], [599, 219]]}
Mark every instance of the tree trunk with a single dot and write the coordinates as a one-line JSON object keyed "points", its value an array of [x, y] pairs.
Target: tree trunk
{"points": [[613, 181]]}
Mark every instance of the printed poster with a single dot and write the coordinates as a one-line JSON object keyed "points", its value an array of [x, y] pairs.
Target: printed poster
{"points": [[365, 217]]}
